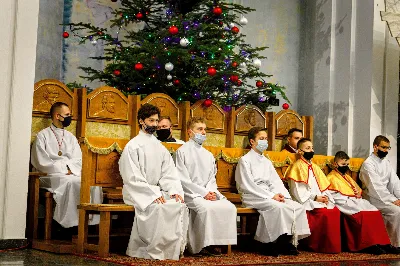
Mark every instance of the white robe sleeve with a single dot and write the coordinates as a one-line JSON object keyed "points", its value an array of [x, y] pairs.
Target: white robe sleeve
{"points": [[169, 181], [376, 188], [394, 183], [41, 160], [276, 184], [245, 181], [190, 188], [300, 191], [212, 182], [75, 163], [139, 191]]}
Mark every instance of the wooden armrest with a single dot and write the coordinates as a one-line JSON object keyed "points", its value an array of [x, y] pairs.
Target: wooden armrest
{"points": [[37, 174], [106, 207], [243, 210]]}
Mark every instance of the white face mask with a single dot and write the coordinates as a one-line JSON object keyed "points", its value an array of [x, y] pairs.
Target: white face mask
{"points": [[199, 138], [262, 145]]}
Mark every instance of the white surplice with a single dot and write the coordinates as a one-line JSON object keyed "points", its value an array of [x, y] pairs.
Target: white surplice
{"points": [[211, 222], [65, 188], [258, 182], [306, 193], [381, 187], [159, 231]]}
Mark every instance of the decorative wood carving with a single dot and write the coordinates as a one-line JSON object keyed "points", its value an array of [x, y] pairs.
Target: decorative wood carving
{"points": [[107, 103], [49, 91], [247, 117], [214, 116], [167, 105], [107, 171], [287, 119]]}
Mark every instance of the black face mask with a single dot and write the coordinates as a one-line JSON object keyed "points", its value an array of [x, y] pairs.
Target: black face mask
{"points": [[149, 129], [343, 169], [67, 120], [382, 154], [308, 155], [163, 134]]}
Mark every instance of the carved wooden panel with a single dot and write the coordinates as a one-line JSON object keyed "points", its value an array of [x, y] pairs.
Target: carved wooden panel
{"points": [[247, 117], [226, 175], [47, 92], [214, 116], [167, 105], [107, 169], [107, 103], [287, 119]]}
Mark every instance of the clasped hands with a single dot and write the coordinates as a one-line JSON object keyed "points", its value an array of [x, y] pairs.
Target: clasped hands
{"points": [[397, 202], [323, 199], [279, 197], [161, 199], [211, 196]]}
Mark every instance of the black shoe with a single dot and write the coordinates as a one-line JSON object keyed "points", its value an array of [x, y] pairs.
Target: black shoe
{"points": [[389, 249], [288, 249], [269, 249], [374, 250], [213, 251]]}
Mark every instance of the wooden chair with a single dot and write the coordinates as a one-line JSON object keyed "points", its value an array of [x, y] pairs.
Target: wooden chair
{"points": [[46, 92]]}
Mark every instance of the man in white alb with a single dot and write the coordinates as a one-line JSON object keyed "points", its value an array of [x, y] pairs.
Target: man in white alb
{"points": [[282, 221], [212, 217], [56, 152], [152, 186], [381, 187]]}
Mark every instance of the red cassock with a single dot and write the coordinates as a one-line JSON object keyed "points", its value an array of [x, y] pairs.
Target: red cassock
{"points": [[363, 229], [325, 230]]}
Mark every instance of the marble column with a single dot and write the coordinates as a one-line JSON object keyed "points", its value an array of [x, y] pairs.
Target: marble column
{"points": [[19, 20]]}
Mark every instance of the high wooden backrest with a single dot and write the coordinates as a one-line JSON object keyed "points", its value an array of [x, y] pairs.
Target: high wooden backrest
{"points": [[247, 117], [216, 120], [178, 113], [46, 93], [279, 124], [105, 112]]}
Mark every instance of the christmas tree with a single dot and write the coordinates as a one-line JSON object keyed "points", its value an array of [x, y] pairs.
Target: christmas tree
{"points": [[188, 49]]}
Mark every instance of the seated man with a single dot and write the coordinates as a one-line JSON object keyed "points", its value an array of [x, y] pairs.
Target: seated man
{"points": [[293, 136], [152, 186], [363, 225], [282, 221], [308, 185], [164, 131], [56, 152], [381, 187], [212, 217]]}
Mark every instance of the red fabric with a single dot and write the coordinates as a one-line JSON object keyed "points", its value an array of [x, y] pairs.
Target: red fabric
{"points": [[364, 229], [325, 230]]}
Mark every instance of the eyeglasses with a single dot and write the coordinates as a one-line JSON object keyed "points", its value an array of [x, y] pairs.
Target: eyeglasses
{"points": [[386, 147]]}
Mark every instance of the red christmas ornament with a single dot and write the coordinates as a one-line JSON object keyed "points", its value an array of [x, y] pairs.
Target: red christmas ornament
{"points": [[138, 66], [234, 64], [117, 72], [217, 11], [259, 83], [239, 82], [65, 34], [235, 30], [207, 103], [177, 82], [173, 30], [285, 106], [211, 71], [234, 78], [139, 15]]}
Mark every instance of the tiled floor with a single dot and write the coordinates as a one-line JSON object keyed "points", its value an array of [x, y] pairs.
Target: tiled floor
{"points": [[34, 257]]}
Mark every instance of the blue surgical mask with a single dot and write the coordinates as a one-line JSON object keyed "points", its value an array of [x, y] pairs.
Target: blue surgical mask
{"points": [[199, 138], [262, 145]]}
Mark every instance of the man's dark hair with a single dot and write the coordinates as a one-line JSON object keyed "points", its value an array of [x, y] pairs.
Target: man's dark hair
{"points": [[301, 141], [379, 139], [341, 155], [254, 131], [147, 110], [55, 107], [292, 130]]}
